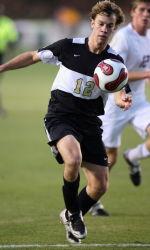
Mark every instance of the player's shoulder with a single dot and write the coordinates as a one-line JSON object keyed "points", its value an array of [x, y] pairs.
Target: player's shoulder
{"points": [[58, 45], [66, 42], [74, 42], [125, 30], [78, 40]]}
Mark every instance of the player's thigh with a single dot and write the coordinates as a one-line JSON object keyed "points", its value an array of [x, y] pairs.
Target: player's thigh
{"points": [[92, 146], [141, 120], [112, 130], [147, 142], [148, 130], [63, 137], [69, 148]]}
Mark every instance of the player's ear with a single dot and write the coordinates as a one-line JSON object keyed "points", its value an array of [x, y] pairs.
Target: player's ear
{"points": [[132, 12], [92, 23]]}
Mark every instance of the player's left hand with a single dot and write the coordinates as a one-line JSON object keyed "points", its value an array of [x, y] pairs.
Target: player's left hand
{"points": [[123, 100]]}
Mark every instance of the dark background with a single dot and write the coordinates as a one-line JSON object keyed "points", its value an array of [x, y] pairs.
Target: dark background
{"points": [[45, 8]]}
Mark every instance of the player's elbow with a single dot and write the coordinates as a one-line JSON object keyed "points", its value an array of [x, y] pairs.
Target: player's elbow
{"points": [[35, 56]]}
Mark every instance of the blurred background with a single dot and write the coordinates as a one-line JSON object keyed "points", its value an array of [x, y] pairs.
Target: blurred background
{"points": [[30, 179], [40, 23]]}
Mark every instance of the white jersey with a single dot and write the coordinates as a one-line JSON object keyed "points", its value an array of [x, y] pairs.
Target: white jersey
{"points": [[135, 50]]}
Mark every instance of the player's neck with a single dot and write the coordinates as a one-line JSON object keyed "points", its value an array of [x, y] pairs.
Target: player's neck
{"points": [[140, 30], [95, 46]]}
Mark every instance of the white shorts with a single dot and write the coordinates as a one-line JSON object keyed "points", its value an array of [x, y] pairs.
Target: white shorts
{"points": [[116, 119]]}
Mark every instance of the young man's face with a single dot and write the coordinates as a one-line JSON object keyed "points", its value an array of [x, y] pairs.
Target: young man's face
{"points": [[141, 15], [103, 27]]}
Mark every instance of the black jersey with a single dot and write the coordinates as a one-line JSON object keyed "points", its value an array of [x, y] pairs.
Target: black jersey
{"points": [[74, 90]]}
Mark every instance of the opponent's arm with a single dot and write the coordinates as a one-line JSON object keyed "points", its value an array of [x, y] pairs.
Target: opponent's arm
{"points": [[120, 43], [138, 75], [21, 61]]}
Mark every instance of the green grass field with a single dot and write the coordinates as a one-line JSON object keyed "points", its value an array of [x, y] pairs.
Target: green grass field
{"points": [[31, 180]]}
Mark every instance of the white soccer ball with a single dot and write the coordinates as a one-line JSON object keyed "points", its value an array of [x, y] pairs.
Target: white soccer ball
{"points": [[111, 75]]}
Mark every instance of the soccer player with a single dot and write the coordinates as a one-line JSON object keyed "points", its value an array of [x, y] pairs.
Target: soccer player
{"points": [[8, 37], [71, 123], [133, 44]]}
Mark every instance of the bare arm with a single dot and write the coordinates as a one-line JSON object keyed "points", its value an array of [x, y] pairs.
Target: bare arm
{"points": [[138, 75], [20, 61]]}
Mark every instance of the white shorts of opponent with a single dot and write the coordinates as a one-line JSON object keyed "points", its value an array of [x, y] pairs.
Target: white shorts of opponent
{"points": [[115, 120]]}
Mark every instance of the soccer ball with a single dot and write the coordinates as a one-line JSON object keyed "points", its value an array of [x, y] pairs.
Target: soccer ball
{"points": [[110, 75]]}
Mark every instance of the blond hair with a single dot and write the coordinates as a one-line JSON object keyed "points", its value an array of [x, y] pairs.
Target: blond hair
{"points": [[107, 7], [135, 3]]}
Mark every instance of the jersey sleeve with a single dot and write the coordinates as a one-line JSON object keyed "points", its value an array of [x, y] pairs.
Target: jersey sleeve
{"points": [[120, 45], [52, 54]]}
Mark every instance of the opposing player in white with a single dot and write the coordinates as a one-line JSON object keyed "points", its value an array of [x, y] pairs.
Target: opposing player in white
{"points": [[133, 44]]}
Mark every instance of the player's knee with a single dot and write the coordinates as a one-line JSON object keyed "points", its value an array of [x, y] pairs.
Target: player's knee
{"points": [[103, 188], [97, 190], [71, 169], [74, 161]]}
